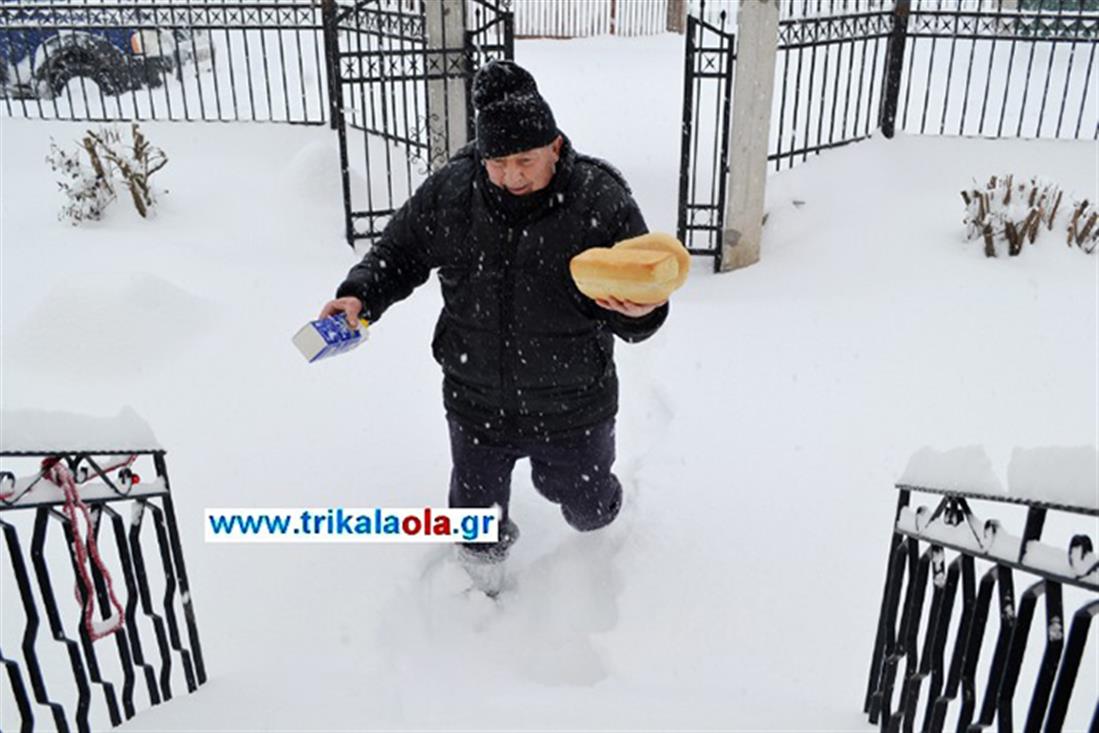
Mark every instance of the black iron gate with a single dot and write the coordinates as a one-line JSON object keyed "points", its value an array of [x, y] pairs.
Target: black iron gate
{"points": [[704, 145], [400, 94]]}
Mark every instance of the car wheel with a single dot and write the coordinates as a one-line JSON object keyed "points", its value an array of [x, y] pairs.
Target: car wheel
{"points": [[105, 67]]}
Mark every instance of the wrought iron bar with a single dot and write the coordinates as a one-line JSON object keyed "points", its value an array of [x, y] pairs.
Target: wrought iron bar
{"points": [[979, 700]]}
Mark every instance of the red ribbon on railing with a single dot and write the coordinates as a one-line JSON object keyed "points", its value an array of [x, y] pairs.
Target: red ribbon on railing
{"points": [[58, 473]]}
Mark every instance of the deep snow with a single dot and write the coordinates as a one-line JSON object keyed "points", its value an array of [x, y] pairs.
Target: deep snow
{"points": [[760, 434]]}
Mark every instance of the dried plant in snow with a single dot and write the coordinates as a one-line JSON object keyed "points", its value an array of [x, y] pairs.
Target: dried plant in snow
{"points": [[111, 161]]}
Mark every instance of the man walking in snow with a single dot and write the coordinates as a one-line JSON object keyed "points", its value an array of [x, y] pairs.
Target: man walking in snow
{"points": [[528, 361]]}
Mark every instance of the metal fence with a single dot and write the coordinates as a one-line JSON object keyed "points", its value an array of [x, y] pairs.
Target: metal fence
{"points": [[186, 60], [710, 10], [980, 67], [828, 78], [932, 688], [582, 18], [59, 673], [994, 72]]}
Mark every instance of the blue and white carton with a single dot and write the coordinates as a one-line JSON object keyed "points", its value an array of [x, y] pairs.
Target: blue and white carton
{"points": [[328, 337]]}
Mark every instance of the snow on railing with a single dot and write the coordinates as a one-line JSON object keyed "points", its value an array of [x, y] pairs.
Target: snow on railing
{"points": [[1056, 475]]}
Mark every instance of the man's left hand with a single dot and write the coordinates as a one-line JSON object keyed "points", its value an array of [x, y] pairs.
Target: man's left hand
{"points": [[627, 307]]}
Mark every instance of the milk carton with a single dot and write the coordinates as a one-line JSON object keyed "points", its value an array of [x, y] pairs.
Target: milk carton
{"points": [[328, 337]]}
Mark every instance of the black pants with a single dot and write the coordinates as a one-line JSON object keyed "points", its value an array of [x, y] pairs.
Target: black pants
{"points": [[573, 471]]}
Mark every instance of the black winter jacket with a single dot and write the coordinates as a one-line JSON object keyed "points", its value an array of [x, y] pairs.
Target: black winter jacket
{"points": [[523, 352]]}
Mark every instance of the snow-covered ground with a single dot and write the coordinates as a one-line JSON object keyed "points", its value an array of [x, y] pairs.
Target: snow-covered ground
{"points": [[760, 434]]}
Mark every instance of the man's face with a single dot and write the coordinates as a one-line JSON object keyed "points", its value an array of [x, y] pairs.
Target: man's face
{"points": [[525, 172]]}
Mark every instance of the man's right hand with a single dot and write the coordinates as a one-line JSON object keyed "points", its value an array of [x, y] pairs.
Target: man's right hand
{"points": [[350, 306]]}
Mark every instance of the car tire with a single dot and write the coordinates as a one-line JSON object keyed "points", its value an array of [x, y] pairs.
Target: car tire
{"points": [[102, 63]]}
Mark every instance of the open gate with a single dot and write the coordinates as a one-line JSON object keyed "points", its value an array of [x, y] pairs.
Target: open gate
{"points": [[704, 152], [400, 75]]}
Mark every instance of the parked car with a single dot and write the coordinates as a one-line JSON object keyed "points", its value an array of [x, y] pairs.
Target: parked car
{"points": [[44, 46]]}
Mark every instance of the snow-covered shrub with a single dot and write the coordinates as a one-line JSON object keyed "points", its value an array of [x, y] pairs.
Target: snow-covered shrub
{"points": [[87, 186], [1012, 213], [1083, 227], [111, 161]]}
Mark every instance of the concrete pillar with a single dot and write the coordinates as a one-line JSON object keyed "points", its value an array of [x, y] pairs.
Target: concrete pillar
{"points": [[753, 87], [677, 16], [446, 97]]}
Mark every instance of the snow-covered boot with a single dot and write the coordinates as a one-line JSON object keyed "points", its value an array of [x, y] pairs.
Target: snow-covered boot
{"points": [[485, 561]]}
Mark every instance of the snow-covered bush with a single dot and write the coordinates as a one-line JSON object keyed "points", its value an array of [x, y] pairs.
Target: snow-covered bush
{"points": [[89, 185], [1083, 227], [1014, 212]]}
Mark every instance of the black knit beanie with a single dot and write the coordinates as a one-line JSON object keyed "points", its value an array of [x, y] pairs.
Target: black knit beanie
{"points": [[511, 114]]}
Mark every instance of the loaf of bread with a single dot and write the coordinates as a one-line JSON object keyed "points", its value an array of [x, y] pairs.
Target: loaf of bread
{"points": [[645, 269]]}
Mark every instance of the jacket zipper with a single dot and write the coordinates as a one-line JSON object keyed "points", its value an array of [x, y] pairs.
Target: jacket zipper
{"points": [[507, 302]]}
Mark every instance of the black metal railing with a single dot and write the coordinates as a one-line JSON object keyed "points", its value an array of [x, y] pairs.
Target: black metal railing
{"points": [[995, 71], [931, 688], [58, 673], [178, 60], [944, 67], [704, 140], [827, 78]]}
